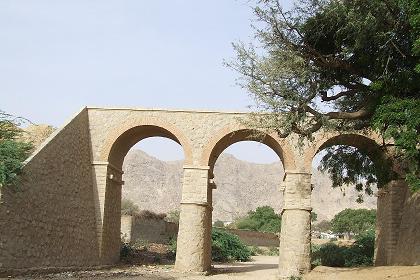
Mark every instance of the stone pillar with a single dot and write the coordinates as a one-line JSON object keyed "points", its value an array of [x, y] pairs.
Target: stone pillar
{"points": [[295, 235], [194, 236], [107, 190], [389, 214]]}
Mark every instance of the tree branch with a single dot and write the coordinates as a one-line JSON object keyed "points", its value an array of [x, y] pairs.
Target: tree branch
{"points": [[361, 114], [324, 96]]}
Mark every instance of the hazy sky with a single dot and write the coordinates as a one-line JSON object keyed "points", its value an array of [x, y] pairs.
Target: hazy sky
{"points": [[59, 56]]}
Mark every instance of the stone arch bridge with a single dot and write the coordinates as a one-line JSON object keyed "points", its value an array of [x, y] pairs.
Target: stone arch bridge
{"points": [[65, 211]]}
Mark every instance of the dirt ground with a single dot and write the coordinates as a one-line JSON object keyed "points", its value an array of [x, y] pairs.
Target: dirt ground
{"points": [[261, 268]]}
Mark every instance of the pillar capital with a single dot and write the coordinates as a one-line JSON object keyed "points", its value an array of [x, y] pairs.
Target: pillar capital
{"points": [[196, 167]]}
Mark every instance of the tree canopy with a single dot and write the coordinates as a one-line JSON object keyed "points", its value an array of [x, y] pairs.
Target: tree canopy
{"points": [[355, 221], [262, 219], [339, 65], [12, 150]]}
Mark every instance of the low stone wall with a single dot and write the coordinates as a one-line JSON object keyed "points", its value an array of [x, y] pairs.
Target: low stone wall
{"points": [[149, 229], [255, 238]]}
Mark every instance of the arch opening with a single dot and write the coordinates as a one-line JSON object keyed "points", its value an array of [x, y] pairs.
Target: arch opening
{"points": [[248, 187], [144, 183], [347, 171], [242, 135], [133, 136]]}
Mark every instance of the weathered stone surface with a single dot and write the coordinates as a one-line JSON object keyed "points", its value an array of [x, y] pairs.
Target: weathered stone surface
{"points": [[66, 210]]}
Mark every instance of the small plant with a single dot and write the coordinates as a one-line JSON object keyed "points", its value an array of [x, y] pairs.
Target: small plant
{"points": [[140, 244], [255, 251], [172, 247], [219, 223], [273, 251], [315, 257], [126, 250]]}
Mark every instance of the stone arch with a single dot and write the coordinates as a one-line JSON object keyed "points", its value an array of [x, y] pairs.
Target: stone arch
{"points": [[366, 143], [228, 136], [116, 147], [120, 141]]}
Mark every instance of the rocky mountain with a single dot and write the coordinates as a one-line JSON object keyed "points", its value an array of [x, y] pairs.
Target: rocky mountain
{"points": [[241, 186]]}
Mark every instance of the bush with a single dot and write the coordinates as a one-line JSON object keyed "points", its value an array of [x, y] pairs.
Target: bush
{"points": [[273, 251], [255, 250], [227, 246], [172, 247], [331, 254], [315, 257], [359, 254], [173, 216]]}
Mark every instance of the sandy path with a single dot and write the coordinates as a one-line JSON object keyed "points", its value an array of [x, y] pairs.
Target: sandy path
{"points": [[261, 268]]}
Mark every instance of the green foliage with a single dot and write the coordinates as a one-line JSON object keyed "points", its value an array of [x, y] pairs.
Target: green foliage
{"points": [[323, 226], [330, 254], [255, 250], [357, 221], [219, 223], [273, 251], [315, 256], [129, 208], [346, 165], [314, 217], [172, 247], [126, 250], [173, 216], [342, 66], [12, 151], [262, 219], [399, 119], [358, 254], [226, 247], [362, 251]]}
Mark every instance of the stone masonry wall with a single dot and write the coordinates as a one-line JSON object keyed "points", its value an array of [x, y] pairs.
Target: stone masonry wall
{"points": [[48, 220], [151, 230], [398, 224], [66, 209], [255, 238], [407, 251]]}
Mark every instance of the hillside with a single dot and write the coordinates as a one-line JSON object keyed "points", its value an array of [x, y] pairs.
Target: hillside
{"points": [[241, 186]]}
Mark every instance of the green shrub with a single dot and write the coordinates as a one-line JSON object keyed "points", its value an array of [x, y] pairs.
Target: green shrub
{"points": [[361, 252], [331, 254], [227, 246], [126, 250], [255, 250], [273, 251], [172, 247], [315, 257]]}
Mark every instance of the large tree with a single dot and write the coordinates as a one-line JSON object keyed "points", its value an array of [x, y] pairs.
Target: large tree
{"points": [[355, 221], [13, 151], [343, 65], [262, 219]]}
